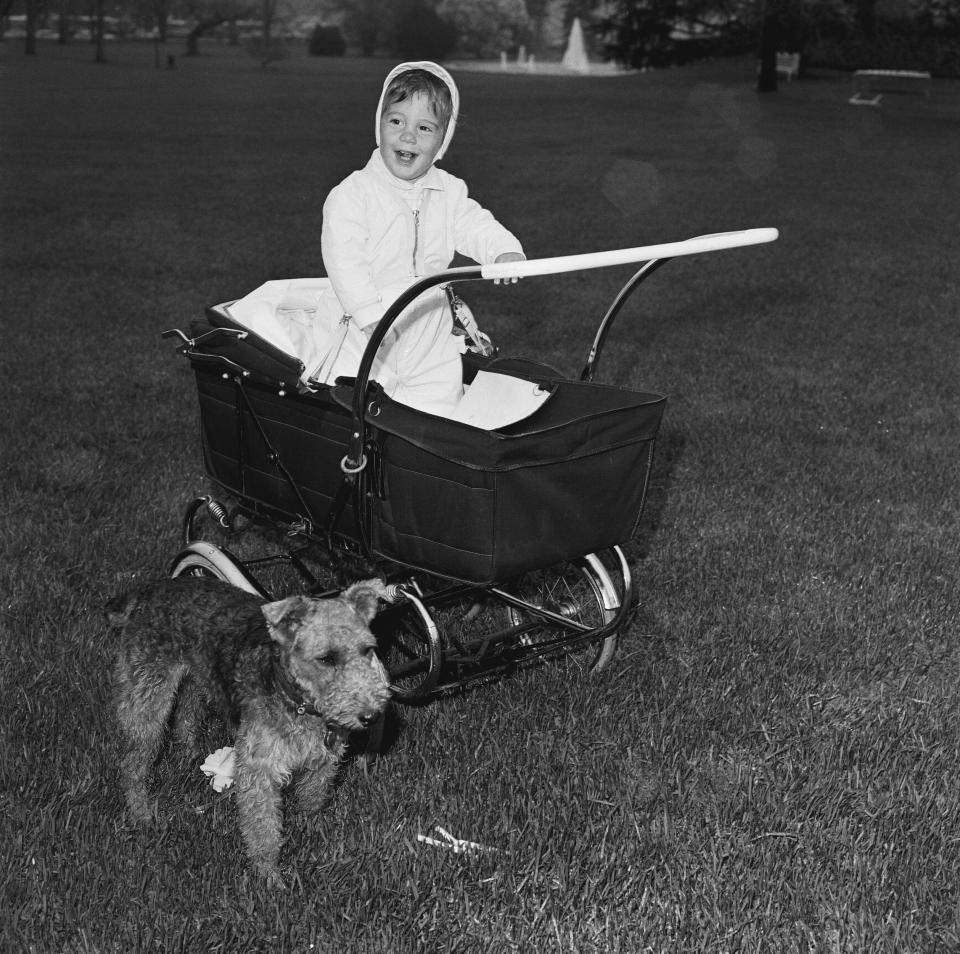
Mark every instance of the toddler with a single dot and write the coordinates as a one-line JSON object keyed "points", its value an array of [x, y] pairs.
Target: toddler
{"points": [[396, 220]]}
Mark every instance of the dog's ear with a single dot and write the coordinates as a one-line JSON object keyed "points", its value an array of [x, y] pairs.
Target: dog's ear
{"points": [[364, 597], [282, 615]]}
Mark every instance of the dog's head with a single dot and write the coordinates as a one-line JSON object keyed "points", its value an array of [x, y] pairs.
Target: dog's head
{"points": [[328, 653]]}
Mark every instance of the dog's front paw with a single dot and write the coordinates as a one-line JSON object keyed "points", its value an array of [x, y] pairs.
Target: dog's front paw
{"points": [[276, 878], [273, 880], [142, 811]]}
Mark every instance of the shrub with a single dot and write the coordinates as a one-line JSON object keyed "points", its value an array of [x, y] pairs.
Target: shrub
{"points": [[939, 55], [327, 41]]}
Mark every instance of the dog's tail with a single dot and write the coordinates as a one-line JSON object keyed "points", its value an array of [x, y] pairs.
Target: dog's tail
{"points": [[119, 609]]}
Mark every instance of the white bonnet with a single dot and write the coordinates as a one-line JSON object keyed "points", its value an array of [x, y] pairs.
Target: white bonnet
{"points": [[438, 71]]}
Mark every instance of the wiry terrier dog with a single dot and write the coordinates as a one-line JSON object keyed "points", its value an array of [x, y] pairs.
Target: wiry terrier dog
{"points": [[293, 676]]}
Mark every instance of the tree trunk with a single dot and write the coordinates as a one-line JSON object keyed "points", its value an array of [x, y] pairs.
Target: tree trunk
{"points": [[204, 26], [267, 18], [30, 44], [769, 41], [100, 55], [368, 40], [866, 14]]}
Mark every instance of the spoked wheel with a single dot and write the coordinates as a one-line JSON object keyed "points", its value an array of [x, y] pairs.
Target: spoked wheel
{"points": [[410, 647], [581, 591], [456, 635], [479, 640]]}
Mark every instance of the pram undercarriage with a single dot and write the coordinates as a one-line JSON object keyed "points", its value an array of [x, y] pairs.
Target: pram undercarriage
{"points": [[440, 634]]}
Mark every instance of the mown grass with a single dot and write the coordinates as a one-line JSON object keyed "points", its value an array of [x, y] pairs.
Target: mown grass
{"points": [[772, 762]]}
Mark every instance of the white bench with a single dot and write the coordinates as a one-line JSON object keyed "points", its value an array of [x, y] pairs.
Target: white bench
{"points": [[870, 85], [789, 65]]}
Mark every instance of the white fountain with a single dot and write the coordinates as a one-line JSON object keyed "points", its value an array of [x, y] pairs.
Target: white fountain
{"points": [[575, 56]]}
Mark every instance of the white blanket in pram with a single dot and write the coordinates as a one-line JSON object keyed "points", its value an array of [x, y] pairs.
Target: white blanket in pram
{"points": [[291, 314], [301, 317]]}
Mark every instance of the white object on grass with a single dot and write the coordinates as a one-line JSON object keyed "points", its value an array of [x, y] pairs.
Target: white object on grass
{"points": [[877, 82], [456, 845], [220, 767]]}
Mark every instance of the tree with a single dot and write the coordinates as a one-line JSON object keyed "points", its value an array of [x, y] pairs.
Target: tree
{"points": [[769, 44], [369, 20], [537, 12], [487, 27], [63, 23], [637, 32], [368, 23], [421, 33], [551, 28], [99, 52], [161, 13], [656, 33], [208, 14], [265, 50], [30, 44]]}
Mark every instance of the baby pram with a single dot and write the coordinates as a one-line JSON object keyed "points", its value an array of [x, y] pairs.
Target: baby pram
{"points": [[502, 546]]}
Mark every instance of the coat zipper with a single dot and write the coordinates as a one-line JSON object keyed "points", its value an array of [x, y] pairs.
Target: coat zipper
{"points": [[416, 238]]}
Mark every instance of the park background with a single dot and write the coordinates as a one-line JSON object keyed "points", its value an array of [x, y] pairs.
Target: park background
{"points": [[640, 34], [771, 762]]}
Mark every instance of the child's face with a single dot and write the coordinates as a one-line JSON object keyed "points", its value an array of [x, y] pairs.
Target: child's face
{"points": [[410, 137]]}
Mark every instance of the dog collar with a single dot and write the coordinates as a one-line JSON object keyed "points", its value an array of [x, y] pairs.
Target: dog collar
{"points": [[293, 695], [335, 734]]}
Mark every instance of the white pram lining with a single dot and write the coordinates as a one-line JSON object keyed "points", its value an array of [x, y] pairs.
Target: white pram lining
{"points": [[297, 315]]}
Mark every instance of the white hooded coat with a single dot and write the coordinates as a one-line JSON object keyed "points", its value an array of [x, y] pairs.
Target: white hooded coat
{"points": [[380, 234]]}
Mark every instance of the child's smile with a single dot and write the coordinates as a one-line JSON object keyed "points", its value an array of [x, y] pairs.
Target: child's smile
{"points": [[410, 137]]}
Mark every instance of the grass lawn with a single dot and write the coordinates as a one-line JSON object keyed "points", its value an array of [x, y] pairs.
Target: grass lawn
{"points": [[772, 762]]}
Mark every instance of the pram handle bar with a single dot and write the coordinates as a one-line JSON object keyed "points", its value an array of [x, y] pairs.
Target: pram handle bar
{"points": [[626, 256], [353, 461]]}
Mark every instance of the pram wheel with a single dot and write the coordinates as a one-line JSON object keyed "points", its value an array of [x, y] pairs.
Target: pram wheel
{"points": [[582, 591], [206, 519], [410, 647], [205, 559]]}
